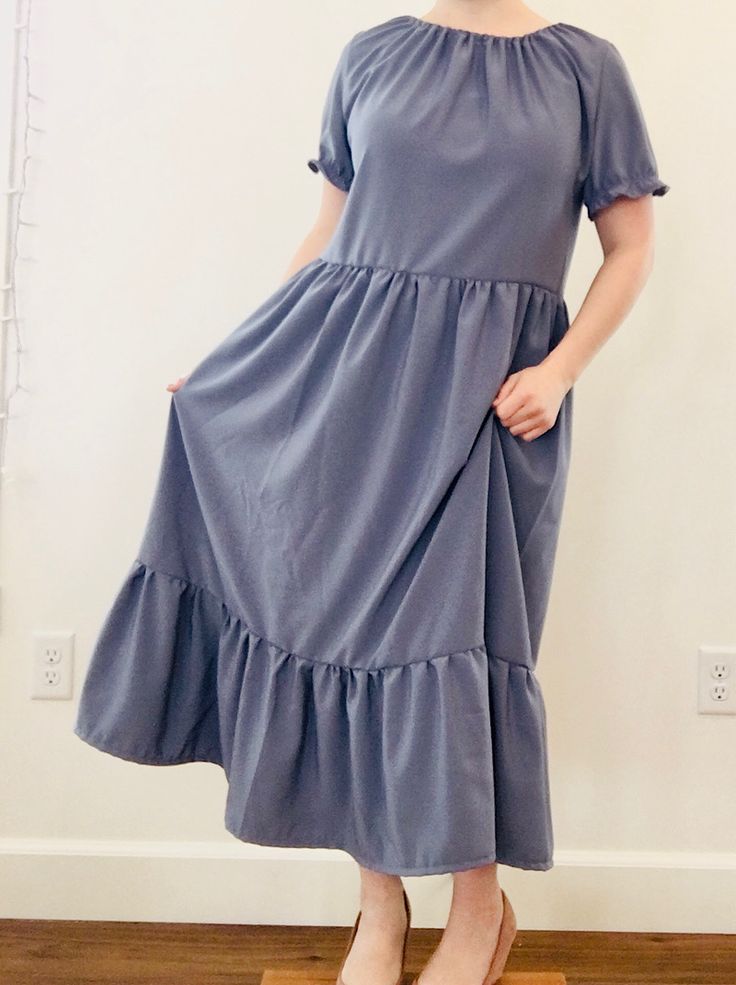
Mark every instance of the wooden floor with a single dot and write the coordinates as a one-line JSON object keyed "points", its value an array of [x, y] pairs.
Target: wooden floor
{"points": [[71, 952], [508, 978]]}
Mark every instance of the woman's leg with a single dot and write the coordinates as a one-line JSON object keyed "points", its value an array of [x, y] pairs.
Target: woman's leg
{"points": [[463, 955], [376, 952]]}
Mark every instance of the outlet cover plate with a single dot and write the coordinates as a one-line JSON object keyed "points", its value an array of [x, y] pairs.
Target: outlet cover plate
{"points": [[716, 677], [52, 669]]}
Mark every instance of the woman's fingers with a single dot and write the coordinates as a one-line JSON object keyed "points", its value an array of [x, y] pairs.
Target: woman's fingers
{"points": [[173, 387], [530, 407], [506, 387]]}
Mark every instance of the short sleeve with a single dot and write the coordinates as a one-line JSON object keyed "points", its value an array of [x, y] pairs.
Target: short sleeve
{"points": [[621, 158], [334, 159]]}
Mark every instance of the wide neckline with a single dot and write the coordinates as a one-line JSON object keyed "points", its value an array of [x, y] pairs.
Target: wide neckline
{"points": [[421, 22]]}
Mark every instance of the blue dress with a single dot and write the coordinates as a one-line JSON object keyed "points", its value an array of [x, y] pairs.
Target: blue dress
{"points": [[341, 587]]}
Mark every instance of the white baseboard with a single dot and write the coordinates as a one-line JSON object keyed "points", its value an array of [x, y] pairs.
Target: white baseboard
{"points": [[219, 882]]}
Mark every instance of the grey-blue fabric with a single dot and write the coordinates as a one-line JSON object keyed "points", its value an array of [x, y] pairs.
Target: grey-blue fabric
{"points": [[341, 587]]}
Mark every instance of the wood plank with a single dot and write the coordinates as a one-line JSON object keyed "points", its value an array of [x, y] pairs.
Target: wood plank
{"points": [[286, 977], [102, 952]]}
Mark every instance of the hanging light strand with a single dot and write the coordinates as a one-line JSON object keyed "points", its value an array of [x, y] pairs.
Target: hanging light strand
{"points": [[19, 155]]}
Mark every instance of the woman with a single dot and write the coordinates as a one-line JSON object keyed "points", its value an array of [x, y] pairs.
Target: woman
{"points": [[341, 589]]}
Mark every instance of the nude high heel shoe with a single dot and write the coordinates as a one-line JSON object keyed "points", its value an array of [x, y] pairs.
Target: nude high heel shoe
{"points": [[506, 935], [407, 908]]}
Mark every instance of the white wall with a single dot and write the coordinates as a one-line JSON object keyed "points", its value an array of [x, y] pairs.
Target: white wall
{"points": [[169, 191]]}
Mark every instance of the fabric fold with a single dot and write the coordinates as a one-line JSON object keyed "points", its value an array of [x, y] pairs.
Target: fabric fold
{"points": [[648, 184], [186, 680], [331, 170]]}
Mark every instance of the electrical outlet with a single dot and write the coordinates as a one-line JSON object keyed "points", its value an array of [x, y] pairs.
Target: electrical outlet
{"points": [[717, 680], [52, 665]]}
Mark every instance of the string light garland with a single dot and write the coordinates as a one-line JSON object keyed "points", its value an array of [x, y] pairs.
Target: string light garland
{"points": [[11, 382]]}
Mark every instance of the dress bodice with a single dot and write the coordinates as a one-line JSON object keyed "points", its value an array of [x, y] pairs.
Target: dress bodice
{"points": [[470, 155]]}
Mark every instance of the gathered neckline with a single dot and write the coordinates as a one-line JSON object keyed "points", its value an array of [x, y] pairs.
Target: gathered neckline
{"points": [[482, 35]]}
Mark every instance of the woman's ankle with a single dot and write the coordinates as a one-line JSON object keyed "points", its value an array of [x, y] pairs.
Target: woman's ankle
{"points": [[380, 892]]}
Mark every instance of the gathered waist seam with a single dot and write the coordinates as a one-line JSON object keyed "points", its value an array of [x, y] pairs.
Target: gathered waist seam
{"points": [[436, 276]]}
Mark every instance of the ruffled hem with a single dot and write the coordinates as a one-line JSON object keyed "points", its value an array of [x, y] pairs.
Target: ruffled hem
{"points": [[432, 766], [332, 171], [649, 184]]}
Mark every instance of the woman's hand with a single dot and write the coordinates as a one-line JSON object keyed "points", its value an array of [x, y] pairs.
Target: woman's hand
{"points": [[528, 401], [173, 387]]}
